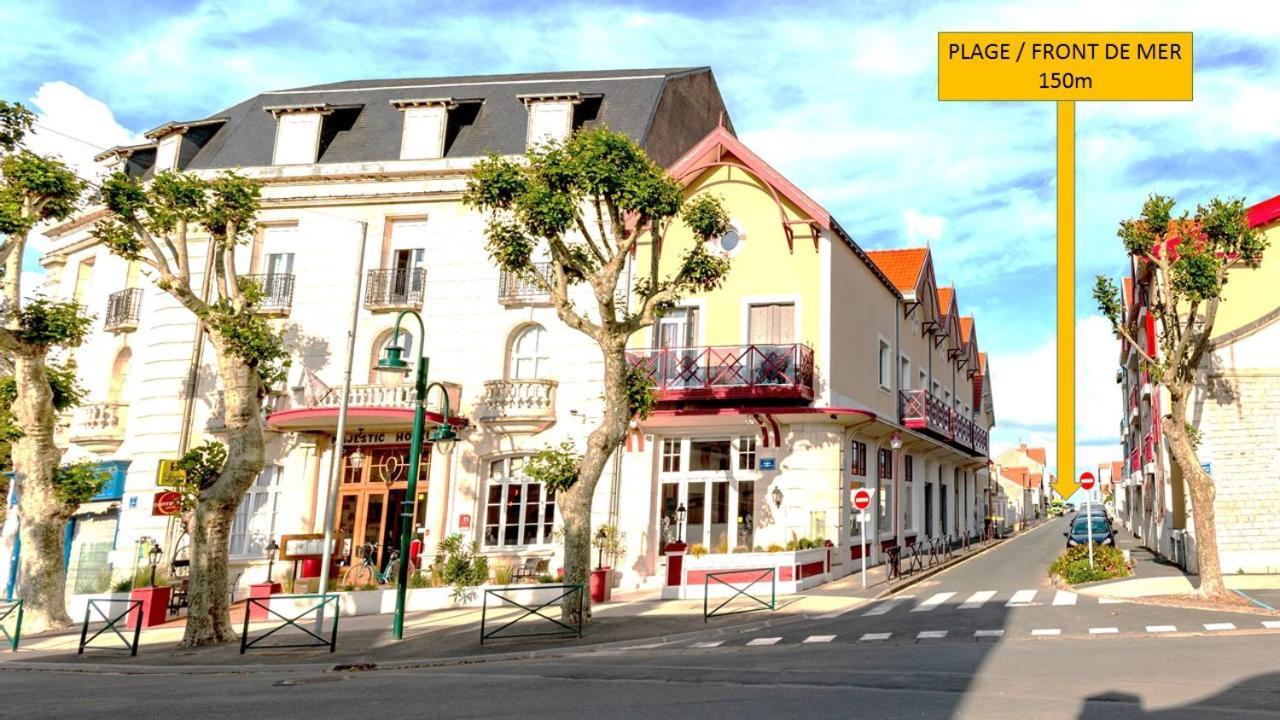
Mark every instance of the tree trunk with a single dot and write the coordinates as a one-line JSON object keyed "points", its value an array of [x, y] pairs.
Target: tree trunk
{"points": [[42, 517], [209, 616], [575, 503], [1203, 492]]}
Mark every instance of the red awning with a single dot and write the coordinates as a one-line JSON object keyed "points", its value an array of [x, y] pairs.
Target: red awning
{"points": [[326, 419]]}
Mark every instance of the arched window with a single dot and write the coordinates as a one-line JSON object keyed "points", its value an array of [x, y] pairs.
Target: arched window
{"points": [[119, 374], [407, 344], [529, 357]]}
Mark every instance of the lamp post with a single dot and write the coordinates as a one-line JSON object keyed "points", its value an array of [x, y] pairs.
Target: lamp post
{"points": [[680, 513], [601, 536], [271, 549], [895, 445], [154, 558], [443, 435]]}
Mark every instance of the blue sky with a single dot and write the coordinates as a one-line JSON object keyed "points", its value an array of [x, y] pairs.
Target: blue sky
{"points": [[841, 98]]}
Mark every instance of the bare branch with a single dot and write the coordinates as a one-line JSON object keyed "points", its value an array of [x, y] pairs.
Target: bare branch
{"points": [[229, 263], [184, 262]]}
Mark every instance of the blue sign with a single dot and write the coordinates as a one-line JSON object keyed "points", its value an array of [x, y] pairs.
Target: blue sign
{"points": [[768, 464], [1207, 468], [115, 470]]}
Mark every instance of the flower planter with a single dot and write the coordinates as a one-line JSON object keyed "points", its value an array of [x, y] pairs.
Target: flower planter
{"points": [[155, 606], [793, 571], [261, 591], [600, 585]]}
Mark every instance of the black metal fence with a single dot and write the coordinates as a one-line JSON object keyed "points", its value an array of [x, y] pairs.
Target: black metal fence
{"points": [[503, 596], [123, 309], [518, 288], [322, 601], [741, 584], [132, 607], [11, 613], [395, 288]]}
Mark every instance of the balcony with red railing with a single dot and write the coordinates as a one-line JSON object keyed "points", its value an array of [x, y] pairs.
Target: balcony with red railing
{"points": [[1148, 449], [920, 410], [728, 372], [964, 429], [980, 441], [1134, 465]]}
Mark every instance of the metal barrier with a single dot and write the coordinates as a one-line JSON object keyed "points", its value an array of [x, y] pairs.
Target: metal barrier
{"points": [[532, 611], [324, 599], [756, 604], [8, 608], [112, 622], [917, 558], [893, 558]]}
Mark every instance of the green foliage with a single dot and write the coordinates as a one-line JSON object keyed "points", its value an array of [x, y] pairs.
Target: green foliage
{"points": [[15, 122], [74, 484], [642, 392], [503, 574], [48, 185], [1193, 434], [419, 580], [45, 322], [701, 270], [233, 202], [1072, 566], [1110, 302], [556, 467], [705, 215], [200, 468], [774, 547], [461, 565], [612, 541], [249, 336]]}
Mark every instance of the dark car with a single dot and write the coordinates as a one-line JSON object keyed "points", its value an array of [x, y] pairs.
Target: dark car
{"points": [[1068, 509], [1094, 510], [1081, 526]]}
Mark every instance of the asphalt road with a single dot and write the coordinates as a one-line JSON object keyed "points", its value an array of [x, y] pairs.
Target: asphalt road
{"points": [[820, 668]]}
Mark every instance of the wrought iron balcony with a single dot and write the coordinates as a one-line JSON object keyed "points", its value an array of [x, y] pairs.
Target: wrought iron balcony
{"points": [[519, 405], [516, 289], [395, 289], [123, 310], [99, 427], [921, 410], [277, 293], [981, 441], [964, 431], [729, 372]]}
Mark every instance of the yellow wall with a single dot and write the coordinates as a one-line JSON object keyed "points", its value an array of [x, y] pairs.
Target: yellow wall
{"points": [[1251, 292], [763, 267], [863, 311]]}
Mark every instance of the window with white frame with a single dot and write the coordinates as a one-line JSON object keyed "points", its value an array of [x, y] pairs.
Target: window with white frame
{"points": [[671, 454], [886, 364], [858, 458], [924, 381], [167, 152], [549, 121], [529, 356], [904, 372], [424, 129], [254, 524], [297, 138], [747, 452], [519, 511]]}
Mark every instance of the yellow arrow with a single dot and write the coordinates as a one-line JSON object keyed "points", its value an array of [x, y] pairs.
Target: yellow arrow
{"points": [[1065, 486], [1066, 298]]}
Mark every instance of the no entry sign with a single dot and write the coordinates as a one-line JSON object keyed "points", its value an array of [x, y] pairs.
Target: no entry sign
{"points": [[1087, 480], [861, 499]]}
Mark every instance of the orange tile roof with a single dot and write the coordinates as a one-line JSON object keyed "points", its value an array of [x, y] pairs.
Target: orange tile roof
{"points": [[945, 295], [982, 360], [902, 267], [1037, 454], [966, 328]]}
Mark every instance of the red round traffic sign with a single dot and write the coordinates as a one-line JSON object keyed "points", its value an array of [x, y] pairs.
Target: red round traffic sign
{"points": [[1087, 480], [861, 499]]}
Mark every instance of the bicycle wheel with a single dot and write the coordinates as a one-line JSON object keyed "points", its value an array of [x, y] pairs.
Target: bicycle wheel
{"points": [[359, 576], [392, 573]]}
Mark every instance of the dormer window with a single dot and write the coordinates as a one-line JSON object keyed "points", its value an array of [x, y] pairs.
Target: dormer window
{"points": [[550, 117], [297, 133], [167, 152], [425, 123]]}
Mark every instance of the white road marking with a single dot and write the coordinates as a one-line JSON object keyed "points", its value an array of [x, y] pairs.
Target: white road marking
{"points": [[1046, 631], [1021, 598], [988, 633], [1110, 601], [820, 638], [886, 606], [711, 644], [1219, 626], [1064, 598], [765, 641], [977, 599], [931, 634], [1161, 628], [1272, 624], [933, 602], [1103, 631], [876, 636]]}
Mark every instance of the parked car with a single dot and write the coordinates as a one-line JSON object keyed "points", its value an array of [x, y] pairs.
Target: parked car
{"points": [[1094, 510], [1069, 509], [1081, 526]]}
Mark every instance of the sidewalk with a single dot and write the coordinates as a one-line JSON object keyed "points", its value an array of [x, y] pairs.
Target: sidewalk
{"points": [[1155, 576], [632, 619]]}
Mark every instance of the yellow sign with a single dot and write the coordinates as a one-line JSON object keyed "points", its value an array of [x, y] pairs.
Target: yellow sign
{"points": [[169, 474], [1065, 487], [1065, 66]]}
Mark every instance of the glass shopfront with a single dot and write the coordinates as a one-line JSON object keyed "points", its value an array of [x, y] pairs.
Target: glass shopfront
{"points": [[374, 482], [715, 480]]}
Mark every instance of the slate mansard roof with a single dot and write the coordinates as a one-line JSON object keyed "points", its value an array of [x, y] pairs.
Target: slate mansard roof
{"points": [[665, 110]]}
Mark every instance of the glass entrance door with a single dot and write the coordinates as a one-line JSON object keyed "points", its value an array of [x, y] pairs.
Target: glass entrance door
{"points": [[370, 502]]}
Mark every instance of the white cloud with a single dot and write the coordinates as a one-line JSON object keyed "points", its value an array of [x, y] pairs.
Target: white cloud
{"points": [[75, 127], [922, 228]]}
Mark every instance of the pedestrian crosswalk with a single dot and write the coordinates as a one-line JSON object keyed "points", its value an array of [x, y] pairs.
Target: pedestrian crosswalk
{"points": [[981, 598], [936, 633]]}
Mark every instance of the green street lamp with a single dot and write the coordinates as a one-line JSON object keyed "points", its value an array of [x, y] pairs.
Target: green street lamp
{"points": [[443, 436]]}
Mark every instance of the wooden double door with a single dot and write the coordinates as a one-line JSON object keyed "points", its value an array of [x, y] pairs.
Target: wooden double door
{"points": [[371, 497]]}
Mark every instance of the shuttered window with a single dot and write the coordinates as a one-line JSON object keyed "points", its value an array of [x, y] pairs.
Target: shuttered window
{"points": [[549, 121], [772, 324], [423, 132], [297, 138]]}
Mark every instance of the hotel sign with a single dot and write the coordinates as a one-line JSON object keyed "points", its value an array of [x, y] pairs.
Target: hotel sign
{"points": [[399, 437]]}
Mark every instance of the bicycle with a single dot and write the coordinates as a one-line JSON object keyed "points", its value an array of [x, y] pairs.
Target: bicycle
{"points": [[366, 572]]}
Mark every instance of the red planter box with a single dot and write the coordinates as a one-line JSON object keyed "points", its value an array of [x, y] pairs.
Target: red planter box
{"points": [[601, 589], [261, 591], [155, 606]]}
